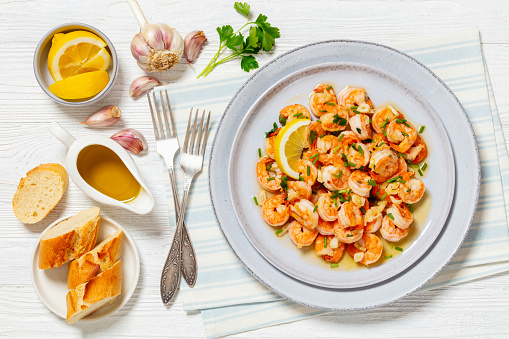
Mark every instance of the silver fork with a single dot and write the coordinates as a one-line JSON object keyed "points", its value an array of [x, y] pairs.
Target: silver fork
{"points": [[167, 145], [191, 163]]}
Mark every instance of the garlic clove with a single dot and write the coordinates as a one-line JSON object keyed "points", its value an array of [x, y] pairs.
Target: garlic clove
{"points": [[106, 116], [141, 85], [140, 50], [131, 139], [193, 43], [153, 36], [166, 35]]}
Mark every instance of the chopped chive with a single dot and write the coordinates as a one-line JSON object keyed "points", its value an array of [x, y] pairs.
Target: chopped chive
{"points": [[314, 161], [390, 216], [384, 132], [336, 202], [398, 249], [400, 121], [325, 242], [408, 190], [344, 157], [349, 235], [363, 210], [336, 175], [270, 179], [341, 198], [336, 149], [315, 155], [328, 88], [393, 179], [360, 150], [388, 256], [279, 231], [269, 166], [419, 172], [403, 155], [301, 178], [383, 196], [298, 115], [405, 134], [401, 181], [342, 191], [384, 123], [424, 166], [372, 182], [410, 207], [370, 120], [356, 111], [322, 111], [320, 121], [406, 124], [314, 209], [341, 137], [353, 146], [259, 152], [413, 165], [255, 200], [421, 129], [340, 173], [309, 171], [334, 265], [330, 103], [354, 107]]}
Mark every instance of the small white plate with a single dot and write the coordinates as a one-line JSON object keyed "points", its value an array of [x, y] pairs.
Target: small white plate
{"points": [[51, 284]]}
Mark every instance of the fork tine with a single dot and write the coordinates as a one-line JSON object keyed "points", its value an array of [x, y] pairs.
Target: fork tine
{"points": [[161, 129], [174, 129], [204, 142], [165, 116], [156, 131], [184, 148], [192, 140], [200, 134]]}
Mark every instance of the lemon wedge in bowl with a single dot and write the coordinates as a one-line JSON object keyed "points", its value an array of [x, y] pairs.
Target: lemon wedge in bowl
{"points": [[81, 86], [289, 144], [75, 53]]}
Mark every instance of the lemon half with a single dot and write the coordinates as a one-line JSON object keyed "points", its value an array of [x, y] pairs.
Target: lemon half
{"points": [[75, 53], [289, 144]]}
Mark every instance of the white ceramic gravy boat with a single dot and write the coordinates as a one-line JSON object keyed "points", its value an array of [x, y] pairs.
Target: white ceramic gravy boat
{"points": [[144, 202]]}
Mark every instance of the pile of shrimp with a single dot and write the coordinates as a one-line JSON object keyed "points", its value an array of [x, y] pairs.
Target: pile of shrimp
{"points": [[356, 181]]}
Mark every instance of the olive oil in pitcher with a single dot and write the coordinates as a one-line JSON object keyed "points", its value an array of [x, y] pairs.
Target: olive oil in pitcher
{"points": [[103, 169]]}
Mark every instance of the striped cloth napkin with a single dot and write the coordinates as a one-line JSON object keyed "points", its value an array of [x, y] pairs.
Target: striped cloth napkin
{"points": [[232, 301]]}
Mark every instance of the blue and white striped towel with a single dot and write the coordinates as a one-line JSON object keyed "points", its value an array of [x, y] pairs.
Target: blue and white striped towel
{"points": [[232, 301]]}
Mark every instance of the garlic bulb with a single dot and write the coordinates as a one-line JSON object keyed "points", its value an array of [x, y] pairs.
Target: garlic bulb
{"points": [[131, 139], [106, 116], [157, 47], [141, 85]]}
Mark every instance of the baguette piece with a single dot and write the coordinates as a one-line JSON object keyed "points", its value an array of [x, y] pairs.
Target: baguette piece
{"points": [[39, 192], [88, 297], [90, 264], [69, 239]]}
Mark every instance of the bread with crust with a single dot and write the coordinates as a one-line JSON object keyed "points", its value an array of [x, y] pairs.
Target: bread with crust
{"points": [[98, 260]]}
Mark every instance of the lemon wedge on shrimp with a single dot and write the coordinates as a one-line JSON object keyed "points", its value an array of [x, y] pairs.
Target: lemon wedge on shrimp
{"points": [[289, 144]]}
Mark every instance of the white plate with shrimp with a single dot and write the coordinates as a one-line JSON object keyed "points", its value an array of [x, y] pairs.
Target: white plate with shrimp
{"points": [[303, 264]]}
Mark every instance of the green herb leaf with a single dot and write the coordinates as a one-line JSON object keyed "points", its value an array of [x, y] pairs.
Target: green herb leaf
{"points": [[248, 63], [235, 42], [339, 120], [282, 120], [242, 8], [224, 32], [284, 183], [372, 182], [274, 129]]}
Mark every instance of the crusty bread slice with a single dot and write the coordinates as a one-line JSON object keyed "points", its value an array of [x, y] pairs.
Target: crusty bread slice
{"points": [[69, 239], [98, 260], [90, 296], [39, 192]]}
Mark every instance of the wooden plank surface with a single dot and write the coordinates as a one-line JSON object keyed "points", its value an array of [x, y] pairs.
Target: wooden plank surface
{"points": [[477, 308]]}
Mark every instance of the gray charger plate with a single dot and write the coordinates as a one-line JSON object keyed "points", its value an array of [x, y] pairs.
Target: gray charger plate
{"points": [[382, 87], [460, 135]]}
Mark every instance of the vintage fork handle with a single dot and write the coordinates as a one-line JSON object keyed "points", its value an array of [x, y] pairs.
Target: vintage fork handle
{"points": [[170, 278], [189, 267]]}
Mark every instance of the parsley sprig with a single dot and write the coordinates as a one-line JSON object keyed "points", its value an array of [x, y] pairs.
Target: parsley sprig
{"points": [[262, 36]]}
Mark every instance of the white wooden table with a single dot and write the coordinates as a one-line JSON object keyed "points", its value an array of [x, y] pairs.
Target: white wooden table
{"points": [[477, 308]]}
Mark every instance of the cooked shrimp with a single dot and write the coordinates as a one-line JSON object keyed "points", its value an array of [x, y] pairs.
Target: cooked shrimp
{"points": [[316, 196], [383, 164], [383, 117], [327, 144], [347, 139], [335, 178], [334, 122], [302, 211], [329, 248], [367, 250], [374, 225], [400, 215], [348, 235], [351, 96], [303, 167], [360, 126], [377, 143], [307, 154], [327, 207], [412, 190], [269, 146], [350, 215], [357, 155], [325, 227], [298, 190], [391, 232], [418, 152], [293, 112], [314, 131], [359, 182], [275, 210], [401, 135], [300, 235], [267, 182], [323, 100]]}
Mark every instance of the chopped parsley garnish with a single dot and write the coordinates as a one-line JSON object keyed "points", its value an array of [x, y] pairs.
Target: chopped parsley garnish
{"points": [[359, 130], [274, 129], [372, 182], [282, 120], [284, 183], [301, 178], [312, 137], [339, 120], [390, 216]]}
